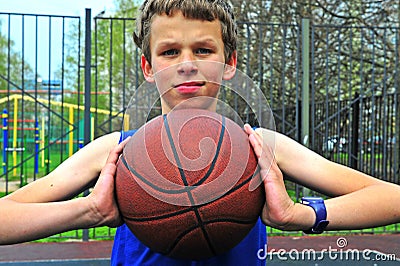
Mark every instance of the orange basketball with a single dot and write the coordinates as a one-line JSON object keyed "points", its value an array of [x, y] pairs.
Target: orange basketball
{"points": [[182, 184]]}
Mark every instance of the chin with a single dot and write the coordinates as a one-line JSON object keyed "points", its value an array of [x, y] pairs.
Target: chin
{"points": [[207, 103]]}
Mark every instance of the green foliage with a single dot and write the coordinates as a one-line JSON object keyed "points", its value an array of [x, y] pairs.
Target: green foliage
{"points": [[13, 68], [349, 56], [99, 233], [114, 57], [126, 8]]}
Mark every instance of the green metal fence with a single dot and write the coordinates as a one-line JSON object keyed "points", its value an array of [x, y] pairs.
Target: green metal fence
{"points": [[333, 88]]}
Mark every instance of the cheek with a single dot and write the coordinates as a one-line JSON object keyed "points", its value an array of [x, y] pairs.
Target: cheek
{"points": [[163, 80], [162, 70], [213, 71], [214, 89]]}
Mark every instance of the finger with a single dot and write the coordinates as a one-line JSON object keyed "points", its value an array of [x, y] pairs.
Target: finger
{"points": [[123, 143], [115, 152], [263, 154], [258, 141], [121, 146], [108, 169], [262, 150], [248, 129]]}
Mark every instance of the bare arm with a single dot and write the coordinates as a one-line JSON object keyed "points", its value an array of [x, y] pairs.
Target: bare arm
{"points": [[44, 207], [71, 177], [358, 200]]}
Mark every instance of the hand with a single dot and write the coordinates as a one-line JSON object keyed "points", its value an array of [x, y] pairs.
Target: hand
{"points": [[102, 198], [279, 208]]}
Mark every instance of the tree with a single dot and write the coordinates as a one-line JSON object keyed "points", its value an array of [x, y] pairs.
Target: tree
{"points": [[114, 63], [355, 21], [351, 41], [14, 70], [116, 57]]}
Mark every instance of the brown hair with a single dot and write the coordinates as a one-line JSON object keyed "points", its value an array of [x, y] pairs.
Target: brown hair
{"points": [[195, 9]]}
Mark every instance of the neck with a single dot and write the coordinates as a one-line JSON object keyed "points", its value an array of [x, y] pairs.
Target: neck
{"points": [[210, 106]]}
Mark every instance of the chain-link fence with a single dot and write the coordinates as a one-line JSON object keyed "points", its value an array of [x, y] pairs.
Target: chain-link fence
{"points": [[333, 88]]}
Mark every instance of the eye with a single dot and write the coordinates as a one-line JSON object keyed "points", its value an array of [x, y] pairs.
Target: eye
{"points": [[170, 52], [203, 51]]}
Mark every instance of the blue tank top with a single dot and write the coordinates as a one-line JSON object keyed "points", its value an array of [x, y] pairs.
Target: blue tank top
{"points": [[128, 250]]}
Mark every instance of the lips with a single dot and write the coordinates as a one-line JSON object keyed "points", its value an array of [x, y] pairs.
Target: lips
{"points": [[189, 87]]}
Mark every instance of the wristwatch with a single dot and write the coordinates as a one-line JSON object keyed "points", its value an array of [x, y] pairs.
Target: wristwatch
{"points": [[319, 208]]}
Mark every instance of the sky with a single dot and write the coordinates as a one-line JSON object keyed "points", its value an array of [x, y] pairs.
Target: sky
{"points": [[56, 7], [44, 7]]}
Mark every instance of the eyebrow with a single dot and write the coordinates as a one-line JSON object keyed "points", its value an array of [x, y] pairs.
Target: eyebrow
{"points": [[165, 43], [171, 42], [206, 41]]}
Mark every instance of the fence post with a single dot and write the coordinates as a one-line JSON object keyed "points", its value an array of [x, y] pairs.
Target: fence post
{"points": [[88, 61], [305, 91], [5, 139], [355, 132], [37, 143]]}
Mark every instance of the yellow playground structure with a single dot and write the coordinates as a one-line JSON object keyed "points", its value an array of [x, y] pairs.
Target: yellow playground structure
{"points": [[11, 125]]}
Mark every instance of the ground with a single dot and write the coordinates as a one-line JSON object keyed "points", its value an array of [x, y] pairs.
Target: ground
{"points": [[282, 250]]}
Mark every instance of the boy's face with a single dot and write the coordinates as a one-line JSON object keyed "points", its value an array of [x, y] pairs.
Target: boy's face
{"points": [[187, 61]]}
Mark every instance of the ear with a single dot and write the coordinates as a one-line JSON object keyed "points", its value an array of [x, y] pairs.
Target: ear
{"points": [[230, 67], [147, 69]]}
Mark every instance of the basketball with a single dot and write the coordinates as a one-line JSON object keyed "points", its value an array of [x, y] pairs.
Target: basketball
{"points": [[182, 184]]}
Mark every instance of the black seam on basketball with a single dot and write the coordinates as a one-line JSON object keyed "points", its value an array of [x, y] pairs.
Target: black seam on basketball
{"points": [[144, 180], [203, 229], [173, 191], [191, 208], [230, 220], [173, 148], [214, 161], [247, 180], [184, 233], [238, 186], [159, 217], [173, 245], [182, 173], [200, 224]]}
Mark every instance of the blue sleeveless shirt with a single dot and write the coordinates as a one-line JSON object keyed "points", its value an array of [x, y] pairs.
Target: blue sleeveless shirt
{"points": [[128, 250]]}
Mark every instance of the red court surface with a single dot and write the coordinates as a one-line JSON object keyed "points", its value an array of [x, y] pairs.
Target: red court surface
{"points": [[56, 251], [388, 244]]}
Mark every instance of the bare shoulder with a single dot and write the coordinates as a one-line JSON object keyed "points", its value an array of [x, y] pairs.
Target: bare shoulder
{"points": [[306, 167], [291, 156], [283, 146], [95, 153], [107, 141]]}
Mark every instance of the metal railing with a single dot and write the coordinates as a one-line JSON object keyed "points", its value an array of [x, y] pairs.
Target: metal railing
{"points": [[342, 96]]}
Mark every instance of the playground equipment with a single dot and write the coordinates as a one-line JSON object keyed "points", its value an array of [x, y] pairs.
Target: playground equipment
{"points": [[16, 149], [11, 132]]}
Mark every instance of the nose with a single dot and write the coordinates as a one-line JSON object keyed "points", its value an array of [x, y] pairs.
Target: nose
{"points": [[188, 65], [187, 68]]}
